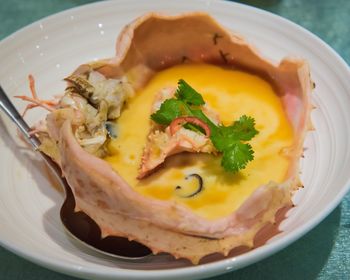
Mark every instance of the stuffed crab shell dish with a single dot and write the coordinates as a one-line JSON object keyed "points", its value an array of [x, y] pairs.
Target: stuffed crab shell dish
{"points": [[186, 141]]}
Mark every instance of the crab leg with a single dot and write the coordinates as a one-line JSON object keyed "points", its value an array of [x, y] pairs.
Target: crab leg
{"points": [[35, 101]]}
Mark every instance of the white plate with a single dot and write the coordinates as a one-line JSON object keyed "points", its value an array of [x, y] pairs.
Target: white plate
{"points": [[51, 48]]}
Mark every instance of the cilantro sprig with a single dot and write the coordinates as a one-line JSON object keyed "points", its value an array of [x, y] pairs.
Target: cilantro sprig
{"points": [[229, 140]]}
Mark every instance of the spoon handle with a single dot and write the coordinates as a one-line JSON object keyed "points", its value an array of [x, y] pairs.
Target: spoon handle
{"points": [[7, 106], [10, 110]]}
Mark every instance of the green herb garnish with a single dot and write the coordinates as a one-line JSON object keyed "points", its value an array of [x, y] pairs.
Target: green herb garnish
{"points": [[229, 140]]}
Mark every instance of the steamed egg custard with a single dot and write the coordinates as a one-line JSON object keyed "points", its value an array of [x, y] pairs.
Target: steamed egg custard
{"points": [[229, 93]]}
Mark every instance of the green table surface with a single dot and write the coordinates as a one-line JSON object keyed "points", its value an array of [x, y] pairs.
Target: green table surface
{"points": [[323, 253]]}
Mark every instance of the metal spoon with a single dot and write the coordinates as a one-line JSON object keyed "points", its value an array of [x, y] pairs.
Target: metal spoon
{"points": [[79, 225]]}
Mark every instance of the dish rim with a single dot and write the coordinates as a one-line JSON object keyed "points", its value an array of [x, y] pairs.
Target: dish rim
{"points": [[216, 267]]}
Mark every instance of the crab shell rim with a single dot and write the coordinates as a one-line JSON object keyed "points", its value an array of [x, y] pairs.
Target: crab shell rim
{"points": [[167, 226]]}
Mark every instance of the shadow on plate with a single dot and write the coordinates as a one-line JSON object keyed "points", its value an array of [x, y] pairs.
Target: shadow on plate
{"points": [[304, 259]]}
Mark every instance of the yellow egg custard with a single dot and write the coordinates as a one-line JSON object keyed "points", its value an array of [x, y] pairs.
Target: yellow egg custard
{"points": [[231, 93]]}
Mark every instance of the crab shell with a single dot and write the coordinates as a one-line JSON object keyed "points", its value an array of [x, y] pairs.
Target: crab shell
{"points": [[149, 44]]}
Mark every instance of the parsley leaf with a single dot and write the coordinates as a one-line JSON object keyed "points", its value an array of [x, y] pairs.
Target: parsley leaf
{"points": [[236, 156], [244, 128], [241, 130], [226, 139], [188, 94], [169, 110], [222, 137]]}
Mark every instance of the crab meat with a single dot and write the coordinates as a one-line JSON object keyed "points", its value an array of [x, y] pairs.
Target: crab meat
{"points": [[162, 143]]}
